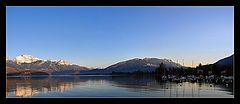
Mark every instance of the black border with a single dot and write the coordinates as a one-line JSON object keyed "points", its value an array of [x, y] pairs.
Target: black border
{"points": [[3, 4], [120, 3]]}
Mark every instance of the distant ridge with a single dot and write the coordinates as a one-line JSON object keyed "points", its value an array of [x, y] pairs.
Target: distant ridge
{"points": [[146, 64], [136, 64], [62, 67], [225, 61]]}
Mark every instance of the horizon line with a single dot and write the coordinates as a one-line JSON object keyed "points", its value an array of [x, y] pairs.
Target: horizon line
{"points": [[195, 65]]}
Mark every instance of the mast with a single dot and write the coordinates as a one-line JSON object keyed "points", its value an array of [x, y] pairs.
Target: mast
{"points": [[192, 63], [183, 62]]}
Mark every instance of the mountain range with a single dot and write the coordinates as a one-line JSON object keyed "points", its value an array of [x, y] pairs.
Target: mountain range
{"points": [[27, 63]]}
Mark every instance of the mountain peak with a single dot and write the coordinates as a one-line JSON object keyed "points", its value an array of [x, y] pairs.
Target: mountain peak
{"points": [[145, 64], [26, 59]]}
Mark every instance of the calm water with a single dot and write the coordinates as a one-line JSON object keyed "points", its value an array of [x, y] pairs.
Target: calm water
{"points": [[111, 86]]}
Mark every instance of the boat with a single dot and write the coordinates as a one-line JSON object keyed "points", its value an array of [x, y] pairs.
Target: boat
{"points": [[183, 78], [177, 79], [227, 79]]}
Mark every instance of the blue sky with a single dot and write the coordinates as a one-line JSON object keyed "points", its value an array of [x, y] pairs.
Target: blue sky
{"points": [[100, 36]]}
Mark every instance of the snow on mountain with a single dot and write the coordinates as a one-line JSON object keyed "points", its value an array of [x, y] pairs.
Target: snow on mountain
{"points": [[25, 59], [63, 62], [33, 63], [136, 64], [65, 67], [30, 59], [146, 64]]}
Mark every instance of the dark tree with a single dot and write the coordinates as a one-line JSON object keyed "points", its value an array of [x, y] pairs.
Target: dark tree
{"points": [[160, 70]]}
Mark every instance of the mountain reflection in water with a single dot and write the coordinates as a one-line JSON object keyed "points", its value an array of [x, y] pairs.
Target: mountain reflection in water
{"points": [[27, 87], [110, 86]]}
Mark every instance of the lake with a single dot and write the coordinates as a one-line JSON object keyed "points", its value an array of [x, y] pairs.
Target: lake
{"points": [[95, 86]]}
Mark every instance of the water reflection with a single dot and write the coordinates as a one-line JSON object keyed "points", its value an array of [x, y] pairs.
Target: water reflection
{"points": [[108, 86], [27, 87]]}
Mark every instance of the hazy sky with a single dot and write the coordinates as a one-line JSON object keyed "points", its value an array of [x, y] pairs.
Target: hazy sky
{"points": [[101, 36]]}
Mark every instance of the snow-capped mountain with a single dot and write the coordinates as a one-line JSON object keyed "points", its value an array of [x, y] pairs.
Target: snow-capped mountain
{"points": [[29, 62], [136, 64], [25, 59], [31, 59], [146, 64]]}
